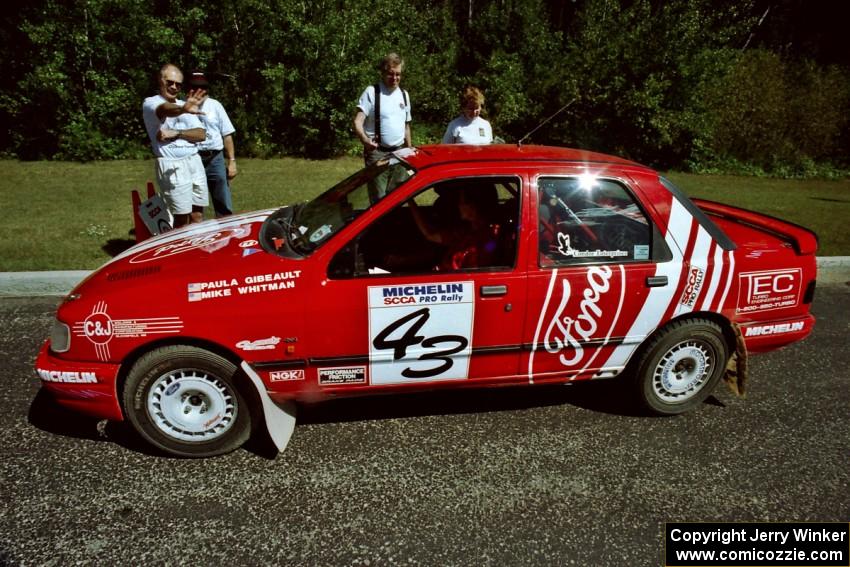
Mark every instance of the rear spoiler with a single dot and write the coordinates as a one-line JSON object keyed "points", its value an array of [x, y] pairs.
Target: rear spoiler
{"points": [[802, 239]]}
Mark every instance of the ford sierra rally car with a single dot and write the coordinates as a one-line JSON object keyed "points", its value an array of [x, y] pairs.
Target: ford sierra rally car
{"points": [[572, 265]]}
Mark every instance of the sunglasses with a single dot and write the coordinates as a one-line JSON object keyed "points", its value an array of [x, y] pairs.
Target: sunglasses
{"points": [[173, 83]]}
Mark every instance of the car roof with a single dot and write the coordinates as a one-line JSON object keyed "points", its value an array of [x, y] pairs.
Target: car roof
{"points": [[433, 155]]}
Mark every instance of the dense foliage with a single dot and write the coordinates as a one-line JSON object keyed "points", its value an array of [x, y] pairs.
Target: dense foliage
{"points": [[677, 83]]}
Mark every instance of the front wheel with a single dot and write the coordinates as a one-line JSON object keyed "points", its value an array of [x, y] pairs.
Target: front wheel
{"points": [[681, 366], [184, 401]]}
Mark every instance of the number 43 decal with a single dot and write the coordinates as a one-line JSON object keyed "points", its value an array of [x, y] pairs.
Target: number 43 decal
{"points": [[409, 326]]}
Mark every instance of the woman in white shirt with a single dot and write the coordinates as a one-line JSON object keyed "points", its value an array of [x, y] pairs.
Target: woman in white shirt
{"points": [[469, 127]]}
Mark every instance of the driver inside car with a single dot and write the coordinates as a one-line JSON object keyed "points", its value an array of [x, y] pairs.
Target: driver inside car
{"points": [[472, 242]]}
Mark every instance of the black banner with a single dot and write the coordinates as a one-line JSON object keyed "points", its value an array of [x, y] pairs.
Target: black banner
{"points": [[758, 544]]}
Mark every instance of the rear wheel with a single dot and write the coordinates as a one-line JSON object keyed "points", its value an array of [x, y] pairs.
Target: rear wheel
{"points": [[681, 366], [184, 401]]}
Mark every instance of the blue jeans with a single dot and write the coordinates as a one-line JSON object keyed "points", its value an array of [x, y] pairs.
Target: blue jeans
{"points": [[217, 184]]}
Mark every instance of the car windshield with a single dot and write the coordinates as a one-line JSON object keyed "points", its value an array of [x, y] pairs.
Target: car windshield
{"points": [[307, 226]]}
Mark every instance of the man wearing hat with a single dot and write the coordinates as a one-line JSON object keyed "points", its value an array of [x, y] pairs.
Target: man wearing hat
{"points": [[217, 150]]}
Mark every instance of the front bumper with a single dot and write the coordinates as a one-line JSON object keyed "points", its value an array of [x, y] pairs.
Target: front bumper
{"points": [[87, 387]]}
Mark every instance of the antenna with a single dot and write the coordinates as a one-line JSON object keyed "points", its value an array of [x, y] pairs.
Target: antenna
{"points": [[560, 110]]}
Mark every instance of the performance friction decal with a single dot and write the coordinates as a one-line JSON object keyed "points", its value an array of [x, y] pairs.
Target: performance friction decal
{"points": [[420, 332], [342, 375], [572, 326], [99, 328]]}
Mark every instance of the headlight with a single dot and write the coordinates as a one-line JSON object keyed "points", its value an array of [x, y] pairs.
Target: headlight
{"points": [[60, 337]]}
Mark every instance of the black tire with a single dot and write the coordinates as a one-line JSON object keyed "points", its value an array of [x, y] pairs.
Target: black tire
{"points": [[680, 366], [184, 401]]}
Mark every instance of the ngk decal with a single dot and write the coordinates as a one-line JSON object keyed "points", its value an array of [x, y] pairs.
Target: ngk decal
{"points": [[587, 313], [209, 242], [286, 375], [768, 290], [100, 328]]}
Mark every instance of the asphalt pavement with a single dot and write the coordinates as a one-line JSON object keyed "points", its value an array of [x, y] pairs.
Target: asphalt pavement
{"points": [[555, 475]]}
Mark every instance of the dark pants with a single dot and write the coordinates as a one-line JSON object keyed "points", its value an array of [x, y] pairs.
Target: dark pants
{"points": [[378, 186], [217, 183]]}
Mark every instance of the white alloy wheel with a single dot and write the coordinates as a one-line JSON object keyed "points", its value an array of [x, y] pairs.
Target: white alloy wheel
{"points": [[185, 401], [683, 371], [680, 366], [191, 405]]}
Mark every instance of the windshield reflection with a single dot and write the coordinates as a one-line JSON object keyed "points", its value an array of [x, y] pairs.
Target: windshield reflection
{"points": [[306, 227]]}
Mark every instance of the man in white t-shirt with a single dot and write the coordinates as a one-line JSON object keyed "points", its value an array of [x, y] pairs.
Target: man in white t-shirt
{"points": [[216, 148], [469, 127], [382, 123], [174, 130]]}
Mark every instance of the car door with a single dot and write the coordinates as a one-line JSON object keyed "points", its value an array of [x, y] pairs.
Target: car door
{"points": [[393, 312], [599, 260]]}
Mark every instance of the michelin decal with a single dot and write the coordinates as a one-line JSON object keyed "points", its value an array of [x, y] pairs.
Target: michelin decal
{"points": [[420, 332]]}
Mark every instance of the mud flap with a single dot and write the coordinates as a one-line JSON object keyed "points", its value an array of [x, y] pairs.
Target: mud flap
{"points": [[737, 370], [279, 418]]}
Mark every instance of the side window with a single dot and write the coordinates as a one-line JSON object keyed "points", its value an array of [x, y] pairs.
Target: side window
{"points": [[589, 220], [458, 225]]}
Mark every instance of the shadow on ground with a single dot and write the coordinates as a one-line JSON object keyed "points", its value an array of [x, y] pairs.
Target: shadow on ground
{"points": [[115, 246], [608, 396]]}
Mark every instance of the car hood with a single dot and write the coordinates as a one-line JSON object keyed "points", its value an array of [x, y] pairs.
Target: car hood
{"points": [[201, 251], [201, 239]]}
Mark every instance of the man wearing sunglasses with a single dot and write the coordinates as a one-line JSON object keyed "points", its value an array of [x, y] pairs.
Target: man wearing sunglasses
{"points": [[174, 130], [382, 120]]}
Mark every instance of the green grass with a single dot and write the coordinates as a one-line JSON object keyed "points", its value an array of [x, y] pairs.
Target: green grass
{"points": [[821, 206], [59, 215]]}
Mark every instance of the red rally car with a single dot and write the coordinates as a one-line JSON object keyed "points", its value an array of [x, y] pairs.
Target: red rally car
{"points": [[444, 266]]}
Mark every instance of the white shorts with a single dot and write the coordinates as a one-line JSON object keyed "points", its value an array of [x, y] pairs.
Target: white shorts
{"points": [[183, 183]]}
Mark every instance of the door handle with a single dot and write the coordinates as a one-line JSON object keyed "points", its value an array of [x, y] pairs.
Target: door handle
{"points": [[656, 281], [493, 290]]}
